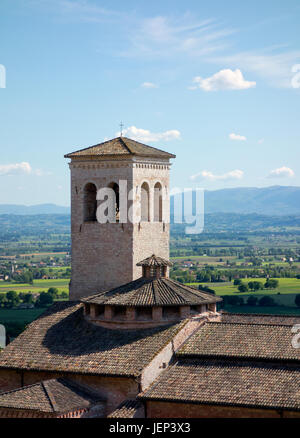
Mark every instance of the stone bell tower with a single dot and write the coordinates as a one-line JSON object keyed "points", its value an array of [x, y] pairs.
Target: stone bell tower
{"points": [[104, 255]]}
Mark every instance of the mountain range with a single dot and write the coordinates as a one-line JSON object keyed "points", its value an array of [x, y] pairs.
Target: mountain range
{"points": [[275, 200]]}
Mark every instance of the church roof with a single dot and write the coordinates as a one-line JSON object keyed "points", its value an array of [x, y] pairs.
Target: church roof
{"points": [[152, 292], [251, 364], [62, 340], [120, 146], [243, 341], [230, 383], [50, 396], [126, 409], [154, 261], [254, 318]]}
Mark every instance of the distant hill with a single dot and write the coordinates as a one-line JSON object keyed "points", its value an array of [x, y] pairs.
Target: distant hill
{"points": [[275, 200], [272, 201], [33, 209]]}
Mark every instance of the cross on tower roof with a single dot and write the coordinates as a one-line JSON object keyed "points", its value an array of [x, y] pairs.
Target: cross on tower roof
{"points": [[121, 129]]}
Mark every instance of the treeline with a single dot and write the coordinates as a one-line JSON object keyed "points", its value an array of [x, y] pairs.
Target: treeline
{"points": [[12, 299], [213, 275]]}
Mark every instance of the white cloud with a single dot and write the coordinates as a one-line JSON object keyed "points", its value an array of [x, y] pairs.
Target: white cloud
{"points": [[15, 168], [282, 172], [273, 64], [148, 85], [237, 137], [146, 136], [206, 175], [223, 80], [261, 140]]}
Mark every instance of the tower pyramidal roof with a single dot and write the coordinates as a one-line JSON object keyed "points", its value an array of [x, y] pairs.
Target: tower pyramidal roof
{"points": [[120, 146]]}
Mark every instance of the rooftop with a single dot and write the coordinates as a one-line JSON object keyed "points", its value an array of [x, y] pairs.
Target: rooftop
{"points": [[50, 396], [243, 341], [254, 318], [154, 261], [61, 340], [152, 292], [228, 383], [127, 409], [120, 146]]}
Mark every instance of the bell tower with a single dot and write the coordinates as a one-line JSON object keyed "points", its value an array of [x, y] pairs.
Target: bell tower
{"points": [[105, 255]]}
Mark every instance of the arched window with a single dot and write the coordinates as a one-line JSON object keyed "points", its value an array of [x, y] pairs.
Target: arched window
{"points": [[158, 202], [90, 203], [145, 198], [115, 188]]}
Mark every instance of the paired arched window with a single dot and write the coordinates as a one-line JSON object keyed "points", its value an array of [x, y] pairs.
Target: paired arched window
{"points": [[157, 202], [145, 203], [90, 203]]}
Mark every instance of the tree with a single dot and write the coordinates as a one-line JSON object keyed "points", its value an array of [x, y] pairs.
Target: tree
{"points": [[12, 298], [53, 291], [243, 287], [206, 289], [257, 285], [251, 285], [45, 299], [28, 298], [237, 281], [267, 301], [252, 301], [271, 284], [3, 300], [297, 300]]}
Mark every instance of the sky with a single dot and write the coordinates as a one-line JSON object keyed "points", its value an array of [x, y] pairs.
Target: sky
{"points": [[216, 83]]}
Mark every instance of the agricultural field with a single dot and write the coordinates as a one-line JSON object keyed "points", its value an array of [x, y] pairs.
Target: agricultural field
{"points": [[287, 286], [37, 286]]}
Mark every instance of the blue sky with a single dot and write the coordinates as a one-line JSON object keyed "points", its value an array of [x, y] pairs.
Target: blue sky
{"points": [[211, 82]]}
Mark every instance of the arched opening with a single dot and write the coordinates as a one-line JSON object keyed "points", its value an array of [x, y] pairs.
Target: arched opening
{"points": [[90, 203], [116, 189], [158, 202], [145, 199]]}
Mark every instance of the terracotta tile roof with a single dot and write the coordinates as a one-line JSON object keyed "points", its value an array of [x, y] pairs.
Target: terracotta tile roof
{"points": [[120, 146], [53, 396], [127, 409], [216, 339], [152, 292], [228, 383], [252, 318], [61, 340], [154, 261]]}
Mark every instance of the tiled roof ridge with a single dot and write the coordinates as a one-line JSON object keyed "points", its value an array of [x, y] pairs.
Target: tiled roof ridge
{"points": [[193, 290], [88, 147], [249, 324], [143, 144], [125, 145], [234, 362], [226, 357], [223, 403], [18, 389], [270, 315], [49, 395]]}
